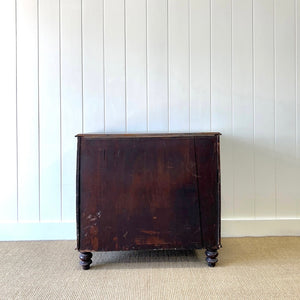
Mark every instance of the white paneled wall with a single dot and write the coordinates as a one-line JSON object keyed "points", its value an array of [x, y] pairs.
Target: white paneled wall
{"points": [[72, 66], [8, 116]]}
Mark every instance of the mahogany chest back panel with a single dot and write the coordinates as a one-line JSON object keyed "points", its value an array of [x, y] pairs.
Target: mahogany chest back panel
{"points": [[148, 192]]}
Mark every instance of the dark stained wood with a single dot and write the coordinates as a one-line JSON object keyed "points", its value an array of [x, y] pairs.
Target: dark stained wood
{"points": [[85, 260], [78, 184], [148, 192], [139, 194], [211, 256], [207, 160]]}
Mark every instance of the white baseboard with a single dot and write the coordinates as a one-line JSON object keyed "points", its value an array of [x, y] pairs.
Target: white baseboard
{"points": [[37, 231], [279, 227], [12, 231]]}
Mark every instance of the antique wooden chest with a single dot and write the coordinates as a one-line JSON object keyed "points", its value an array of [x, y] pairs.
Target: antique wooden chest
{"points": [[154, 191]]}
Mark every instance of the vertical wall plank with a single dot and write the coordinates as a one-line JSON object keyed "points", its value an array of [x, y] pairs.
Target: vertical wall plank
{"points": [[242, 99], [93, 81], [49, 87], [114, 64], [136, 90], [285, 125], [157, 55], [28, 105], [179, 65], [264, 134], [8, 153], [221, 108], [71, 99], [200, 64]]}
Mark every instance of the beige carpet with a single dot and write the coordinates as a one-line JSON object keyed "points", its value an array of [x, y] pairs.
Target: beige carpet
{"points": [[248, 268]]}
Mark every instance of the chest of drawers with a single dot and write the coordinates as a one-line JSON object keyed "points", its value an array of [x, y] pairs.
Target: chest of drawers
{"points": [[154, 191]]}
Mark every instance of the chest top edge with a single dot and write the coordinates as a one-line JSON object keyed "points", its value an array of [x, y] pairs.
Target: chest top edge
{"points": [[151, 135]]}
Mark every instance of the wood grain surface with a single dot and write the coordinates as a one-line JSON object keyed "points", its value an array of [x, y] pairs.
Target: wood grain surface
{"points": [[156, 192]]}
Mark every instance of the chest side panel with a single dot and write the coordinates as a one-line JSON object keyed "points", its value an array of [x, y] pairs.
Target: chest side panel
{"points": [[208, 175]]}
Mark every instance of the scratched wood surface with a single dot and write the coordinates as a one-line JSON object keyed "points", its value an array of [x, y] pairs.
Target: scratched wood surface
{"points": [[148, 193]]}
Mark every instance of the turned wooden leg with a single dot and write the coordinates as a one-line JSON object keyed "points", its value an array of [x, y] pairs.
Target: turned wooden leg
{"points": [[85, 260], [211, 257]]}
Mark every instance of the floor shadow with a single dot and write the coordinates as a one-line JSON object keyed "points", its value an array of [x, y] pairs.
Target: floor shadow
{"points": [[149, 259]]}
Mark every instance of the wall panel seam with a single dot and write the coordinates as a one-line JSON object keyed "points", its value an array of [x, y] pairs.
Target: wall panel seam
{"points": [[254, 109], [125, 68], [38, 100], [296, 90], [189, 60], [81, 66], [210, 50], [296, 75], [103, 70], [275, 110], [147, 72], [168, 62], [17, 139], [60, 113]]}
